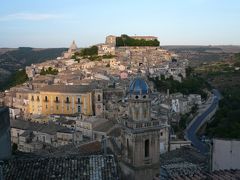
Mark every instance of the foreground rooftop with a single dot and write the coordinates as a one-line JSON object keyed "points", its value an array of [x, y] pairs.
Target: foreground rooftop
{"points": [[95, 167]]}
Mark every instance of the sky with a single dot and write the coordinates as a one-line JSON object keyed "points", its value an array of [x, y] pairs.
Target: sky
{"points": [[55, 23]]}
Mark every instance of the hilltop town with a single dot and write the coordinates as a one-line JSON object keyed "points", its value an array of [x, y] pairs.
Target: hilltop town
{"points": [[110, 98]]}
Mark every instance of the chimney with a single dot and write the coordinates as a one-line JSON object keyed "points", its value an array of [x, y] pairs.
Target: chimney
{"points": [[104, 145]]}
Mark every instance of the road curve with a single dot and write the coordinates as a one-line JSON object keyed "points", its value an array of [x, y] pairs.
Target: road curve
{"points": [[191, 130]]}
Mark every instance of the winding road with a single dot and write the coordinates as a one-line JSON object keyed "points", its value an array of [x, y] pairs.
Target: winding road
{"points": [[199, 120]]}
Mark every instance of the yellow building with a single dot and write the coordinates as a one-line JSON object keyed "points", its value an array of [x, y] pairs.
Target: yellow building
{"points": [[63, 99]]}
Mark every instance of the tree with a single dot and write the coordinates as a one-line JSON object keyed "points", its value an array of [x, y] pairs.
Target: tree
{"points": [[125, 40], [50, 70], [89, 51]]}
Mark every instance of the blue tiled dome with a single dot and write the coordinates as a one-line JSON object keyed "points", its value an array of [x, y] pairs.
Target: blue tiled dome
{"points": [[138, 86]]}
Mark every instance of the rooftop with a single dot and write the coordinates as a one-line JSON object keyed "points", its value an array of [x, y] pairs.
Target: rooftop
{"points": [[45, 128], [93, 167], [86, 148], [185, 161], [224, 175], [67, 88]]}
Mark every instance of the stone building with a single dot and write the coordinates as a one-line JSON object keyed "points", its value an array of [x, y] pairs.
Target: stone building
{"points": [[225, 154], [142, 135], [73, 48], [111, 40], [66, 99], [31, 136]]}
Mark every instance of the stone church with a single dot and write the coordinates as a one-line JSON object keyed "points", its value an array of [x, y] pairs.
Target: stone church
{"points": [[141, 135]]}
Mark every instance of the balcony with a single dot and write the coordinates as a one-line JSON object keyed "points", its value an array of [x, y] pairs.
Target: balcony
{"points": [[78, 102], [147, 160], [57, 101], [67, 102], [142, 125]]}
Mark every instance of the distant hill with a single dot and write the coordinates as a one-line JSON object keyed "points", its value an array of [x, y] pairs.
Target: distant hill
{"points": [[204, 54], [13, 59], [198, 48]]}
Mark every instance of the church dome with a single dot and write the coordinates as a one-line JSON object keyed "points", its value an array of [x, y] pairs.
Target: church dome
{"points": [[73, 46], [138, 87]]}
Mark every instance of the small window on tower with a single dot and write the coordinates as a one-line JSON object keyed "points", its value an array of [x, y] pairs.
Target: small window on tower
{"points": [[147, 148]]}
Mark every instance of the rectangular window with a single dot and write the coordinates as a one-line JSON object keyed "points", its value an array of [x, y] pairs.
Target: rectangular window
{"points": [[147, 148], [57, 100], [79, 109], [67, 100], [79, 100], [68, 108], [46, 99], [57, 107]]}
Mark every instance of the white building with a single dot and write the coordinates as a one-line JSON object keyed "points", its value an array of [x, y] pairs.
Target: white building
{"points": [[225, 154]]}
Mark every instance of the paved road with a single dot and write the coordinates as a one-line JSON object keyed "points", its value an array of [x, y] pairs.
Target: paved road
{"points": [[199, 120]]}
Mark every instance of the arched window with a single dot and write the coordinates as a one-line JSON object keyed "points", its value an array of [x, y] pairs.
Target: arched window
{"points": [[99, 97], [146, 148]]}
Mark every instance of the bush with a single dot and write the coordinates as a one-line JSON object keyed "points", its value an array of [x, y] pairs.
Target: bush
{"points": [[89, 51], [50, 70]]}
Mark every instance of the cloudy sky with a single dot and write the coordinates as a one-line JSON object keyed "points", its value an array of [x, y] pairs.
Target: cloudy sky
{"points": [[55, 23]]}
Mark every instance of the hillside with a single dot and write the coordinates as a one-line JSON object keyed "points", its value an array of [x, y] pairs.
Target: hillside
{"points": [[199, 55], [225, 76], [13, 59]]}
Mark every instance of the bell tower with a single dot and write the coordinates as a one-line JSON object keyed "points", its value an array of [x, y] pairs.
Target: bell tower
{"points": [[98, 102], [141, 134]]}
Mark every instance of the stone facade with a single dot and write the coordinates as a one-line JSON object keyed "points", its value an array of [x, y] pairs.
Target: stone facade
{"points": [[141, 136]]}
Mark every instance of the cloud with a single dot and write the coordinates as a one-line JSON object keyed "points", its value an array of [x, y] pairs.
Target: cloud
{"points": [[29, 16]]}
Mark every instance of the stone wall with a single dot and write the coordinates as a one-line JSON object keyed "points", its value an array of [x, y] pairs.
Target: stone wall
{"points": [[5, 137]]}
